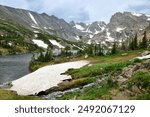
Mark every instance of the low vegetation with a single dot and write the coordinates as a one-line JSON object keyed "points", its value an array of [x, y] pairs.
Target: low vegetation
{"points": [[12, 95], [106, 89], [142, 81], [15, 39], [95, 92]]}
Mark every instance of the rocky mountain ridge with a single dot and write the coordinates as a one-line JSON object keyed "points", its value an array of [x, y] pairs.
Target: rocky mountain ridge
{"points": [[122, 26]]}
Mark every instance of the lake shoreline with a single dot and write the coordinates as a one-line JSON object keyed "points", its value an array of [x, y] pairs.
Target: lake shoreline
{"points": [[14, 66], [44, 78]]}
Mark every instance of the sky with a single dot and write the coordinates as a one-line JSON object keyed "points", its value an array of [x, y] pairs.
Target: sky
{"points": [[81, 10]]}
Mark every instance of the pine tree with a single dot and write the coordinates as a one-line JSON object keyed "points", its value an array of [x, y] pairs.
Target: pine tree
{"points": [[90, 50], [48, 55], [100, 53], [41, 57], [135, 43], [131, 44], [67, 48], [144, 41], [114, 48], [95, 49], [123, 47]]}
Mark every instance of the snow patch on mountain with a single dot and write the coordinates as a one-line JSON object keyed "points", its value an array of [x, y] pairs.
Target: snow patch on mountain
{"points": [[87, 30], [102, 28], [36, 35], [54, 42], [137, 14], [40, 43], [33, 26], [118, 29], [148, 19], [91, 36], [79, 27], [103, 42], [89, 42], [96, 32], [109, 38], [36, 31], [33, 19], [77, 38], [45, 28], [78, 47]]}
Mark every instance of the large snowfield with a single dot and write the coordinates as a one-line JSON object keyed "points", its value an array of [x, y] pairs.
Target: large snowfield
{"points": [[44, 78]]}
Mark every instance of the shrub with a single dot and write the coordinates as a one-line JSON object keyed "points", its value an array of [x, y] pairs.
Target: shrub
{"points": [[142, 79]]}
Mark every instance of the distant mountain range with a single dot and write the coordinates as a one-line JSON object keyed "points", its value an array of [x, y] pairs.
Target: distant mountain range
{"points": [[122, 26]]}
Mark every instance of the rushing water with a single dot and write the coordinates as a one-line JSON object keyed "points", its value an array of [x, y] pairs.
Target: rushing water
{"points": [[13, 67]]}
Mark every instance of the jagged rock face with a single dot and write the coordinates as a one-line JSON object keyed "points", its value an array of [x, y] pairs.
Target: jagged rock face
{"points": [[123, 26], [87, 31]]}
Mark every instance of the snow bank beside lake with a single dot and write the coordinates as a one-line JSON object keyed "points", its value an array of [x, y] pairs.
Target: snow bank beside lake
{"points": [[44, 78]]}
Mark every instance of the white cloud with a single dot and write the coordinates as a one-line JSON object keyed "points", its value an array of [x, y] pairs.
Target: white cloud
{"points": [[81, 10]]}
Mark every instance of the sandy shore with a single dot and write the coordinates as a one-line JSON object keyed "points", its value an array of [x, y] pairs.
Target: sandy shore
{"points": [[44, 78]]}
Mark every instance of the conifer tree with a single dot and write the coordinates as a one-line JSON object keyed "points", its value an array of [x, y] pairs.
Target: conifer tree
{"points": [[135, 43], [131, 44], [95, 49], [114, 48], [143, 44], [100, 53], [67, 48], [90, 50], [123, 47]]}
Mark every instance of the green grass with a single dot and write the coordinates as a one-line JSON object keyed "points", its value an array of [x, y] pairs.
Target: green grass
{"points": [[98, 69], [12, 95], [115, 58], [142, 80], [95, 92], [105, 64]]}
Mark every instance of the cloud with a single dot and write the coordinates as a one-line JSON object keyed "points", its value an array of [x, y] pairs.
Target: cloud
{"points": [[144, 7], [140, 7], [81, 10], [17, 3]]}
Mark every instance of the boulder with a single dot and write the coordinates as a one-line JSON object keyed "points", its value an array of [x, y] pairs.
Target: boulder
{"points": [[145, 53]]}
